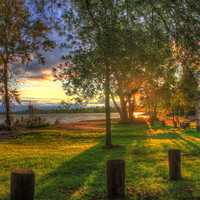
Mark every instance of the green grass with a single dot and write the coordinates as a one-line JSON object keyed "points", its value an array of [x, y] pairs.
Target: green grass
{"points": [[71, 165]]}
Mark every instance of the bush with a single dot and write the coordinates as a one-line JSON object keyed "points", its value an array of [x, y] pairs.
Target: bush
{"points": [[31, 122], [2, 127]]}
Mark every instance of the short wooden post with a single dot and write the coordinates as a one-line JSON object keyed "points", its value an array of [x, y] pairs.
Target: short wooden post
{"points": [[22, 184], [115, 179], [174, 157]]}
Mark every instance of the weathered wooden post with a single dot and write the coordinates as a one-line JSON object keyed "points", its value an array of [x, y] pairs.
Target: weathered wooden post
{"points": [[174, 157], [116, 179], [22, 184]]}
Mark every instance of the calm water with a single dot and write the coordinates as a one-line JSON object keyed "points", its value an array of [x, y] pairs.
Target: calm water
{"points": [[66, 117]]}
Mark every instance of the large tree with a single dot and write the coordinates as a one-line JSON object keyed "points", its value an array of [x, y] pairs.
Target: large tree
{"points": [[133, 45], [94, 49], [140, 41]]}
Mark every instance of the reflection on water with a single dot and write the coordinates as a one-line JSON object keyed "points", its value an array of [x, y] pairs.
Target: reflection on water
{"points": [[66, 117]]}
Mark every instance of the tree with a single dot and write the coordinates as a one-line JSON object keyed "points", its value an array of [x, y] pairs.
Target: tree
{"points": [[21, 34], [95, 58], [147, 50], [96, 22], [130, 40], [181, 21], [140, 41]]}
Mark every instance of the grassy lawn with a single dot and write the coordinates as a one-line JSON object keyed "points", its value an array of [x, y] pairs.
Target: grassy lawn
{"points": [[71, 164]]}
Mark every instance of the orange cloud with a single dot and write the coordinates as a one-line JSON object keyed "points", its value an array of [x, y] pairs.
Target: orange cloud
{"points": [[45, 75], [42, 87]]}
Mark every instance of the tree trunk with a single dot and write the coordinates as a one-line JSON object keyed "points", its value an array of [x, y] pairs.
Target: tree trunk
{"points": [[153, 114], [198, 115], [173, 120], [131, 107], [6, 96], [115, 103], [124, 113], [107, 107]]}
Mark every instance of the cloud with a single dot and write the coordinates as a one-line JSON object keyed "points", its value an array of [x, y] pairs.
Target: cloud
{"points": [[44, 90], [35, 80], [38, 71], [42, 74]]}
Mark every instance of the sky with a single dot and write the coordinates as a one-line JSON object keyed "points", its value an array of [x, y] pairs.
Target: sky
{"points": [[36, 82], [41, 88]]}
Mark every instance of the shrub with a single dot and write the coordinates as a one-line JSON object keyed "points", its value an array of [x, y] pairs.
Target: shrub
{"points": [[31, 122]]}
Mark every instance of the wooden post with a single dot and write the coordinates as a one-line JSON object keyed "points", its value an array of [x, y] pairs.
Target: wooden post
{"points": [[174, 157], [22, 184], [115, 179]]}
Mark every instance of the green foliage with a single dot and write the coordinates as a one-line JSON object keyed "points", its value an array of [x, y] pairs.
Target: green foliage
{"points": [[21, 33], [121, 34], [189, 91]]}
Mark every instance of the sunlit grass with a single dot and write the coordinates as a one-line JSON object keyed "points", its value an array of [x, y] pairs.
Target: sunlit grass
{"points": [[71, 164]]}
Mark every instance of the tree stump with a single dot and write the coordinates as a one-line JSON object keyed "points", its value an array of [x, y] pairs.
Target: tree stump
{"points": [[115, 179], [22, 184], [174, 158]]}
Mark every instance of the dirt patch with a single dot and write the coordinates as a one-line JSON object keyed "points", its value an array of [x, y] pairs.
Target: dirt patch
{"points": [[9, 134], [91, 126]]}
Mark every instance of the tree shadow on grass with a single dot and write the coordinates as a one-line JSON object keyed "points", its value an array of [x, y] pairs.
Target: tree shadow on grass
{"points": [[151, 171], [147, 169], [164, 135], [186, 188], [192, 146], [192, 132], [143, 132], [82, 177], [182, 190]]}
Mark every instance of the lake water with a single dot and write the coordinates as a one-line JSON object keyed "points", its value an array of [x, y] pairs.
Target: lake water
{"points": [[66, 117]]}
